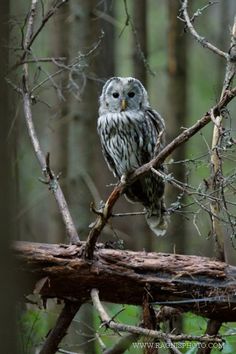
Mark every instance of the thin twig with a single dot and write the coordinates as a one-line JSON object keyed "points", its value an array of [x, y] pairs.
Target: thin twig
{"points": [[30, 35], [123, 344], [74, 66], [200, 11], [129, 214]]}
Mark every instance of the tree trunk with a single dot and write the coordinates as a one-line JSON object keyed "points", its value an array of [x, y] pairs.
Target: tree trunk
{"points": [[223, 40], [140, 53], [191, 283], [140, 41], [177, 110], [8, 282], [106, 68], [83, 139], [59, 30]]}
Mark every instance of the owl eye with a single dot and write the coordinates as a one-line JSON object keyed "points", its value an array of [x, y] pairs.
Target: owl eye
{"points": [[131, 94], [115, 94]]}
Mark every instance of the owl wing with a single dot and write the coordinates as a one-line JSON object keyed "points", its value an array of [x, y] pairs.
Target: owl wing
{"points": [[149, 188], [155, 131], [109, 160]]}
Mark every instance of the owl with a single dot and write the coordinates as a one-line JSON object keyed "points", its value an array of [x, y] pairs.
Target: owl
{"points": [[131, 134]]}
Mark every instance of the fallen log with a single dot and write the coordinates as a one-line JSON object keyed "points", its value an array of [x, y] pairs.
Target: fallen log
{"points": [[190, 283]]}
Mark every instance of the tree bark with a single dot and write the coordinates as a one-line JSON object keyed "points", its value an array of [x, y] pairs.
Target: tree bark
{"points": [[8, 282], [60, 330], [83, 142], [191, 283], [177, 112], [59, 31], [140, 47], [140, 24]]}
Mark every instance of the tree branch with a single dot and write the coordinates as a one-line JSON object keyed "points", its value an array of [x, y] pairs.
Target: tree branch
{"points": [[217, 177], [30, 35], [59, 331], [53, 182], [190, 283], [167, 337], [203, 41], [216, 161]]}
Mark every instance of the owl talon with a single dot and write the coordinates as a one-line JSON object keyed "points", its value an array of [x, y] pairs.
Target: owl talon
{"points": [[123, 178], [95, 210]]}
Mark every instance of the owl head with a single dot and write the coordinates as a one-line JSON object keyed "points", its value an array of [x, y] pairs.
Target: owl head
{"points": [[123, 94]]}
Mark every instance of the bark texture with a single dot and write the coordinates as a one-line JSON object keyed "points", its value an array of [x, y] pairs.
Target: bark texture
{"points": [[191, 283], [177, 66]]}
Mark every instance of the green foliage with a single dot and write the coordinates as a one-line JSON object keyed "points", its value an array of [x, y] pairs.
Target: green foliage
{"points": [[32, 327]]}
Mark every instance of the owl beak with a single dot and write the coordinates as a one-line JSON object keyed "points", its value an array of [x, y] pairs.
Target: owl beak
{"points": [[123, 105]]}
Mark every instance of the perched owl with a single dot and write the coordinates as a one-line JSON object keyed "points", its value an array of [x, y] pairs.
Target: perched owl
{"points": [[129, 130]]}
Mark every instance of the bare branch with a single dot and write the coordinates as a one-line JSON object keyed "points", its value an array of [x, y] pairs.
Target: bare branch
{"points": [[129, 214], [59, 331], [44, 163], [203, 41], [30, 26], [30, 35], [74, 66], [216, 161], [200, 11], [109, 323], [102, 220]]}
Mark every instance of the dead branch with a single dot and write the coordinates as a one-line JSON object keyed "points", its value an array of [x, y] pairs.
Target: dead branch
{"points": [[120, 188], [107, 321], [110, 323], [30, 35], [56, 335], [54, 185], [190, 283], [216, 161], [202, 40]]}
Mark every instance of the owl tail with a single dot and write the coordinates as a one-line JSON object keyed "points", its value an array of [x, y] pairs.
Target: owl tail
{"points": [[157, 220]]}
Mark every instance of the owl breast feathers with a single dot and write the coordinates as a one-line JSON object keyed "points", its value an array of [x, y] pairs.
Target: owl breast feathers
{"points": [[129, 130]]}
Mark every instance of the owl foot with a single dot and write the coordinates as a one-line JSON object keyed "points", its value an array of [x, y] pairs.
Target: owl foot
{"points": [[95, 210], [124, 178]]}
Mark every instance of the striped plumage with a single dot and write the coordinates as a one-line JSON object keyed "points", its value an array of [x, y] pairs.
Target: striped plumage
{"points": [[129, 129]]}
